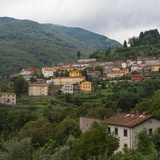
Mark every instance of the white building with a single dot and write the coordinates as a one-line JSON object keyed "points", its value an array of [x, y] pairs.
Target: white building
{"points": [[68, 88], [126, 126], [47, 72], [86, 60]]}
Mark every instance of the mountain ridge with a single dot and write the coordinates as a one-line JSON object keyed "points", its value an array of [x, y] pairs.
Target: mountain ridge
{"points": [[25, 43]]}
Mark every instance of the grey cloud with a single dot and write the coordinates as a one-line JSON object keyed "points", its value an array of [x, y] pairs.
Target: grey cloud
{"points": [[118, 19]]}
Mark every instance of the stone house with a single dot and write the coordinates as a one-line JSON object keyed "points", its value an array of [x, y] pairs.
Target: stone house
{"points": [[86, 122], [8, 98]]}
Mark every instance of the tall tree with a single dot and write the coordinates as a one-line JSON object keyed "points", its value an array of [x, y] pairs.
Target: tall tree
{"points": [[78, 54], [20, 86], [141, 37], [125, 44]]}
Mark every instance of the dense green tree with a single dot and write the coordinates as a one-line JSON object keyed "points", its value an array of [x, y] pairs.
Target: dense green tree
{"points": [[99, 68], [40, 131], [77, 101], [66, 128], [145, 144], [16, 150], [128, 154], [33, 79], [20, 86], [133, 41], [151, 105], [13, 120], [94, 142], [4, 87], [125, 44], [148, 88], [78, 54], [123, 104], [68, 98], [156, 139], [99, 112]]}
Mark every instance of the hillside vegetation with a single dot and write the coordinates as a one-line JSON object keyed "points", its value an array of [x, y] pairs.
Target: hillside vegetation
{"points": [[147, 44], [25, 43]]}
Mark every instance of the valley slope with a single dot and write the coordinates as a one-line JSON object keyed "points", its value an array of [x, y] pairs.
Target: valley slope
{"points": [[25, 43]]}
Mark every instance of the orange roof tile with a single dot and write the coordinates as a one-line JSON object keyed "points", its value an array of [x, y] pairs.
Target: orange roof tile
{"points": [[38, 84], [128, 120]]}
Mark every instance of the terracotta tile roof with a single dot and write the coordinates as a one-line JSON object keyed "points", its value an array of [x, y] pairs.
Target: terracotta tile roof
{"points": [[128, 120], [47, 68], [38, 84]]}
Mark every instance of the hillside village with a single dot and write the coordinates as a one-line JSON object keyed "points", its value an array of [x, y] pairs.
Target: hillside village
{"points": [[70, 77]]}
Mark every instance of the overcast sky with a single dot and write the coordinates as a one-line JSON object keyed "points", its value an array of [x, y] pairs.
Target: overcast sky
{"points": [[116, 19]]}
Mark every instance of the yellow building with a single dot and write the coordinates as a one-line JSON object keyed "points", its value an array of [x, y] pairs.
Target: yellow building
{"points": [[155, 68], [75, 73], [67, 80], [86, 86], [40, 89]]}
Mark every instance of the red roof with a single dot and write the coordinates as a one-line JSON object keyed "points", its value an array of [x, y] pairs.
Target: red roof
{"points": [[128, 120], [38, 84]]}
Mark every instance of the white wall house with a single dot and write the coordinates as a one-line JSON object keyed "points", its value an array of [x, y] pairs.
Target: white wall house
{"points": [[47, 72], [126, 126], [68, 88]]}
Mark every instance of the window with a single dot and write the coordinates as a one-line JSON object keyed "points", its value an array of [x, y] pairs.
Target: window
{"points": [[109, 129], [116, 130], [150, 131], [125, 145], [150, 122], [125, 132]]}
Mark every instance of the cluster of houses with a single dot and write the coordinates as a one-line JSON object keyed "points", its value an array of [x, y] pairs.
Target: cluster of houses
{"points": [[75, 82]]}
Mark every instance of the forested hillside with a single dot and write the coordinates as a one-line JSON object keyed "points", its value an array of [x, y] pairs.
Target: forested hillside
{"points": [[94, 41], [25, 43], [147, 44]]}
